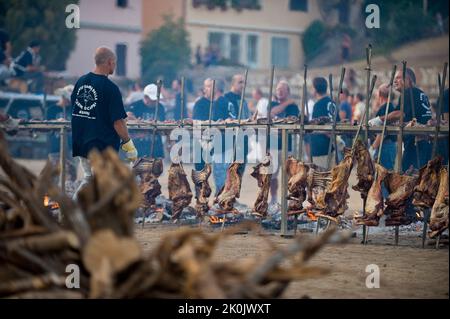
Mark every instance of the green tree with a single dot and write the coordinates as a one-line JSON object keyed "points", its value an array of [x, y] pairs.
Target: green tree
{"points": [[42, 20], [165, 51]]}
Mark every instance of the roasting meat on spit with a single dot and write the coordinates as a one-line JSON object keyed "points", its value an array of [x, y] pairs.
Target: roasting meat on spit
{"points": [[439, 213], [400, 188], [333, 202], [297, 174], [202, 189], [365, 170], [179, 190], [232, 188], [263, 174], [148, 170], [425, 193], [374, 204]]}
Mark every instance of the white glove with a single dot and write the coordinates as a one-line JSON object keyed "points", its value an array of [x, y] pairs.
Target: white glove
{"points": [[130, 150], [376, 122], [372, 152]]}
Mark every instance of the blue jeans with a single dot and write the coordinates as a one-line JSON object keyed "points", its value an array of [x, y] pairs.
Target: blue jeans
{"points": [[388, 154], [410, 155]]}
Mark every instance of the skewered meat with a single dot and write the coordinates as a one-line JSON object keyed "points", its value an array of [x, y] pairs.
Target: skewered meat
{"points": [[148, 170], [425, 192], [333, 201], [365, 170], [179, 190], [439, 213], [232, 188], [374, 205], [297, 173], [263, 174], [202, 189], [400, 188]]}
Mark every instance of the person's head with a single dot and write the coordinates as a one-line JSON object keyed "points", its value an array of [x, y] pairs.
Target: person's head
{"points": [[343, 97], [65, 94], [176, 85], [237, 84], [207, 88], [282, 91], [320, 86], [410, 79], [35, 45], [151, 94], [382, 94], [257, 94], [105, 60], [220, 88], [359, 97]]}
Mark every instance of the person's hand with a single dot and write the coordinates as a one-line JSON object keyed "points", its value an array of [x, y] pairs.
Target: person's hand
{"points": [[376, 121], [130, 150]]}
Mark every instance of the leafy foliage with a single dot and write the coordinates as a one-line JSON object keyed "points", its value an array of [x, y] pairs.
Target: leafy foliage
{"points": [[43, 20], [314, 38], [165, 51]]}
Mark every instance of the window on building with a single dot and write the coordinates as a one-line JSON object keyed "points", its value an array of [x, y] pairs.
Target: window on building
{"points": [[122, 3], [280, 52], [298, 5], [216, 41], [235, 48], [121, 53], [252, 50]]}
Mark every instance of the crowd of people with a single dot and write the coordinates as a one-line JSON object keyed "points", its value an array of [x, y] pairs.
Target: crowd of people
{"points": [[142, 100], [26, 67], [350, 109]]}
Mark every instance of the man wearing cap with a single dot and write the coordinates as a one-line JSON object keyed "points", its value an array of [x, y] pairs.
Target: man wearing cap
{"points": [[98, 116], [145, 110]]}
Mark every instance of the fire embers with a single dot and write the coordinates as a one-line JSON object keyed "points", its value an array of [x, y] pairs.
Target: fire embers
{"points": [[179, 190], [148, 171], [425, 193], [374, 205], [365, 170], [297, 173], [439, 213], [400, 188], [232, 188], [333, 202], [263, 174], [202, 189]]}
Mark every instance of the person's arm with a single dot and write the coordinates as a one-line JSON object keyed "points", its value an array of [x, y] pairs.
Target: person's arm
{"points": [[342, 115], [445, 115], [280, 107], [121, 128]]}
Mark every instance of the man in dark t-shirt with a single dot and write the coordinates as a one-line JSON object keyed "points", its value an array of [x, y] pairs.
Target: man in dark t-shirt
{"points": [[416, 106], [324, 106], [234, 98], [145, 109], [98, 115], [283, 107]]}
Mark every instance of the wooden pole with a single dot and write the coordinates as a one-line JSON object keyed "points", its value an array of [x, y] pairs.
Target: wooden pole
{"points": [[333, 134], [439, 108], [241, 104], [269, 110], [158, 94], [302, 116]]}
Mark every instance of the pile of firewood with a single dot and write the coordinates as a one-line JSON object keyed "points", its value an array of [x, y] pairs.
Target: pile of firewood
{"points": [[96, 236]]}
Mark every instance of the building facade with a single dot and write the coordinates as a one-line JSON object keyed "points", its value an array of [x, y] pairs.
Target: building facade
{"points": [[255, 38], [114, 23]]}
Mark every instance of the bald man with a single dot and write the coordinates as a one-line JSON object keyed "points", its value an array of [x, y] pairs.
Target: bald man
{"points": [[98, 115], [388, 152]]}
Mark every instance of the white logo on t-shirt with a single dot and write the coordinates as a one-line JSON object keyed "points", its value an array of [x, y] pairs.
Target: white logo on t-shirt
{"points": [[86, 101]]}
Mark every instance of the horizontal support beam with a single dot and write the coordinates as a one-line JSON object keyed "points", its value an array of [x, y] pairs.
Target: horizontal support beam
{"points": [[340, 128]]}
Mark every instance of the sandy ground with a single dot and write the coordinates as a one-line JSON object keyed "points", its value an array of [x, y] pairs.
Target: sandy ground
{"points": [[406, 271]]}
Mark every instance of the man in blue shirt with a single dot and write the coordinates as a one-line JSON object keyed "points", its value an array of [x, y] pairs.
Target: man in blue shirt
{"points": [[324, 106]]}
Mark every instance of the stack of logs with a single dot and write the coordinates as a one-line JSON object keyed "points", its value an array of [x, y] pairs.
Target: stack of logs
{"points": [[96, 236]]}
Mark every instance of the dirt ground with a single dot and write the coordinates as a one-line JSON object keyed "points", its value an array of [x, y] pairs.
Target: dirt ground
{"points": [[406, 270]]}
